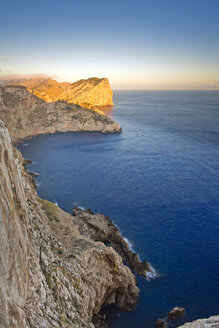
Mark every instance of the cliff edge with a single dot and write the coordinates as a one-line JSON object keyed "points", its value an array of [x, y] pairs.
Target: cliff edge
{"points": [[85, 93]]}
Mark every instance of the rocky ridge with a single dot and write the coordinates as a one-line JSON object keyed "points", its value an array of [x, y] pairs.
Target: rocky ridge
{"points": [[26, 115], [85, 93]]}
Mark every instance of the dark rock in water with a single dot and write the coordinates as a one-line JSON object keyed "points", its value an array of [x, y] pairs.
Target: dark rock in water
{"points": [[89, 211], [101, 228], [160, 323], [33, 174], [26, 162], [100, 321], [176, 313]]}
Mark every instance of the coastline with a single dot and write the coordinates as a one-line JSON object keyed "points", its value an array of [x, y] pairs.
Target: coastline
{"points": [[59, 251], [112, 281], [26, 115]]}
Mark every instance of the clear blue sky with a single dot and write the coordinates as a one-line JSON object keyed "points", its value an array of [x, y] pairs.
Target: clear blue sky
{"points": [[136, 44]]}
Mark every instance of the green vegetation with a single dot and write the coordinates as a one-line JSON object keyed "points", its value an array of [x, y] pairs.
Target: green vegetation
{"points": [[49, 209]]}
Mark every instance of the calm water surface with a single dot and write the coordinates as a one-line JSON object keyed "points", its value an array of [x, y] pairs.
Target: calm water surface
{"points": [[159, 182]]}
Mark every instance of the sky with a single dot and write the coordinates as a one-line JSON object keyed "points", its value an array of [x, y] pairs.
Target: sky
{"points": [[150, 44]]}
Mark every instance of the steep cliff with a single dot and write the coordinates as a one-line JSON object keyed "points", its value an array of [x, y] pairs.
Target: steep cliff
{"points": [[15, 243], [26, 115], [86, 93], [51, 275]]}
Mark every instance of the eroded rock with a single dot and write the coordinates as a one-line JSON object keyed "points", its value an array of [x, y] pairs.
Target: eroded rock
{"points": [[212, 322], [51, 275], [26, 115], [160, 323], [176, 313], [101, 228]]}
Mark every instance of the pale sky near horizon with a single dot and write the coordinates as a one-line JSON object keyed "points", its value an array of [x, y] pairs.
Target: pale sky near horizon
{"points": [[150, 44]]}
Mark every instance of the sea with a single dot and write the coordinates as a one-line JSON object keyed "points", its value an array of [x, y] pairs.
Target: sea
{"points": [[159, 182]]}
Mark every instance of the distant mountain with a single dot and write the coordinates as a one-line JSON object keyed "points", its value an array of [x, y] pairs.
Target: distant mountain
{"points": [[85, 93]]}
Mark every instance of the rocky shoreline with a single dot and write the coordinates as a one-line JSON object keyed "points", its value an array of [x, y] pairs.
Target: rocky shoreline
{"points": [[57, 269]]}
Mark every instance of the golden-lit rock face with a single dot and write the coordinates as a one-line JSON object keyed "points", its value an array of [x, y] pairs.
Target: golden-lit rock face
{"points": [[86, 93]]}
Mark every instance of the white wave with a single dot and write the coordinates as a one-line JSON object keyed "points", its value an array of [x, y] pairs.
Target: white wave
{"points": [[81, 207], [24, 145], [56, 204], [37, 184], [129, 243], [151, 274]]}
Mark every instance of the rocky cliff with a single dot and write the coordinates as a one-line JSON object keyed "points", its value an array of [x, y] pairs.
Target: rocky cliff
{"points": [[52, 273], [212, 322], [26, 115], [85, 93]]}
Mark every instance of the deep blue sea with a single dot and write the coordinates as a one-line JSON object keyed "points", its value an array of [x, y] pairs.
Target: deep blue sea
{"points": [[159, 182]]}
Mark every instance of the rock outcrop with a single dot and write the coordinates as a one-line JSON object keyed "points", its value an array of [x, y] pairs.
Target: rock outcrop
{"points": [[174, 315], [51, 274], [85, 93], [176, 312], [101, 228], [160, 323], [26, 115], [212, 322]]}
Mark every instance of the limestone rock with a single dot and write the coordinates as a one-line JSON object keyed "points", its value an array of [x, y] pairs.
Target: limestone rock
{"points": [[26, 115], [15, 244], [101, 228], [51, 275], [86, 93], [176, 312], [160, 323], [212, 322]]}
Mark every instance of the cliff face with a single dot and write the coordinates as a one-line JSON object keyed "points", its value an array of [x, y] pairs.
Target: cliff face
{"points": [[51, 274], [15, 244], [26, 115], [86, 93]]}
